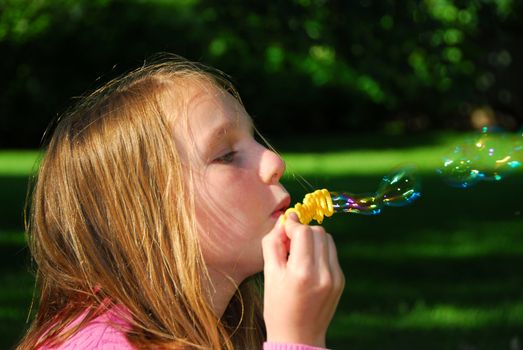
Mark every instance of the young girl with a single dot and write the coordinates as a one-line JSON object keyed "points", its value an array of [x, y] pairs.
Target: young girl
{"points": [[153, 211]]}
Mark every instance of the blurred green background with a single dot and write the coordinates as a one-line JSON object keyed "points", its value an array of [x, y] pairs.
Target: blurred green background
{"points": [[300, 65], [346, 90]]}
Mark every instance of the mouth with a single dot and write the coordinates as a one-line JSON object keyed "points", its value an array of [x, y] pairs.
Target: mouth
{"points": [[282, 206]]}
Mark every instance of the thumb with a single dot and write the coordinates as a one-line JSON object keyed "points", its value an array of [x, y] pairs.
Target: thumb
{"points": [[274, 245]]}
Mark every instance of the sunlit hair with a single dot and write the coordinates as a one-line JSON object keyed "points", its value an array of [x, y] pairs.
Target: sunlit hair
{"points": [[112, 221]]}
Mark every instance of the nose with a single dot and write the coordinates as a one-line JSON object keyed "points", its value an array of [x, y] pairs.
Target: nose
{"points": [[272, 167]]}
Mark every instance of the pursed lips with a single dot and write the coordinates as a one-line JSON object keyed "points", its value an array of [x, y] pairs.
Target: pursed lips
{"points": [[282, 206]]}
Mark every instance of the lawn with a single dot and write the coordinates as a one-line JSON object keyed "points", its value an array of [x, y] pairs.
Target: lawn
{"points": [[443, 273]]}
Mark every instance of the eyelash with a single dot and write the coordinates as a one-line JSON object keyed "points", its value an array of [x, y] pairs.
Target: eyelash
{"points": [[226, 158]]}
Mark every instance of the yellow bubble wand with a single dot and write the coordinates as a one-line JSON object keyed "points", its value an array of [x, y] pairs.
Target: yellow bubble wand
{"points": [[397, 189]]}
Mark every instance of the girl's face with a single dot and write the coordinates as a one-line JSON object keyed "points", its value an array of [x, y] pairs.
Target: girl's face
{"points": [[239, 196]]}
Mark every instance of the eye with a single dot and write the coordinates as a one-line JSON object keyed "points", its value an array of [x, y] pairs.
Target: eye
{"points": [[226, 158]]}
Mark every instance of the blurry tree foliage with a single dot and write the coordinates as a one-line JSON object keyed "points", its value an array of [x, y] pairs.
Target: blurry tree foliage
{"points": [[301, 65]]}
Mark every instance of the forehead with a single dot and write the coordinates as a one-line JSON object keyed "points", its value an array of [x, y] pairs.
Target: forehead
{"points": [[210, 112], [209, 107]]}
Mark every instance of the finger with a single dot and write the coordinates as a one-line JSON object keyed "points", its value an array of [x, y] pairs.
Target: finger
{"points": [[301, 250], [337, 273], [321, 248], [338, 279], [274, 246]]}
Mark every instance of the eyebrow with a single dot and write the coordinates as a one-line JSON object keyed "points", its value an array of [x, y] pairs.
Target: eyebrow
{"points": [[218, 132], [221, 130]]}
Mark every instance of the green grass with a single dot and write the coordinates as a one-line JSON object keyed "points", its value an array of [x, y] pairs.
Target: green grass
{"points": [[442, 273], [363, 162], [17, 162]]}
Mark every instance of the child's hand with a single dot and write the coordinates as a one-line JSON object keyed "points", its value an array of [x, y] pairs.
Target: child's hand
{"points": [[303, 289]]}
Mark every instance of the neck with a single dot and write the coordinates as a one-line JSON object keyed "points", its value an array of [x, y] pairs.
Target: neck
{"points": [[221, 290]]}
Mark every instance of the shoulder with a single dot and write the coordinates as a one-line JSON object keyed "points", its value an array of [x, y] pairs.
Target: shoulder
{"points": [[106, 332]]}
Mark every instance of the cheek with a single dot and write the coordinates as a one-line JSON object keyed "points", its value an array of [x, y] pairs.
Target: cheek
{"points": [[232, 192], [225, 234], [231, 220], [229, 206], [222, 201]]}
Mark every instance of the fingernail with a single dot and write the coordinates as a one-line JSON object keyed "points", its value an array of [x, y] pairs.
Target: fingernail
{"points": [[292, 215]]}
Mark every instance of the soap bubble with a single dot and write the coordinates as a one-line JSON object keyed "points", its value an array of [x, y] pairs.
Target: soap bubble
{"points": [[489, 156], [397, 189]]}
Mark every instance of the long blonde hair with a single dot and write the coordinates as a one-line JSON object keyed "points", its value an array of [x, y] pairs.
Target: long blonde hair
{"points": [[112, 218]]}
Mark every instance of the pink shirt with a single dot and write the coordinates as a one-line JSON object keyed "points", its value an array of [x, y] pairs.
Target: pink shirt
{"points": [[107, 332]]}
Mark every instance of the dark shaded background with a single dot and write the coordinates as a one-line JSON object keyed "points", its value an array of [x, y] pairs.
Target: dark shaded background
{"points": [[300, 66], [444, 273]]}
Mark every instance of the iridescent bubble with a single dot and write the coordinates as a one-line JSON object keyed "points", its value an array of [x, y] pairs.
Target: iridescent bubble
{"points": [[488, 156], [396, 189], [399, 188], [362, 203], [518, 146]]}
